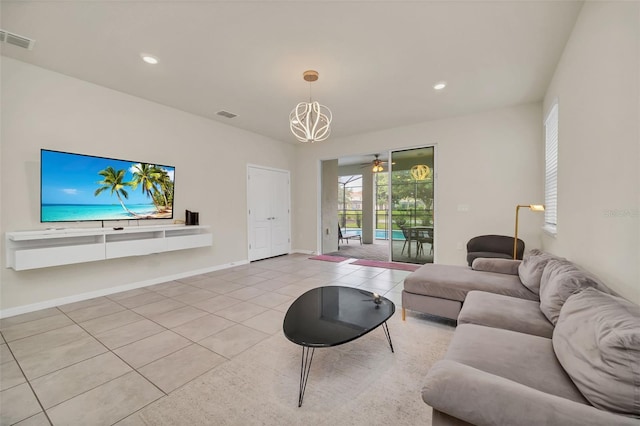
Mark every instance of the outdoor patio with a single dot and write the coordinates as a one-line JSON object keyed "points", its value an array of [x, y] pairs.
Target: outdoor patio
{"points": [[379, 250]]}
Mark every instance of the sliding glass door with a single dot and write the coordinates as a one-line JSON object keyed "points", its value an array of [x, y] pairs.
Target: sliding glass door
{"points": [[411, 205]]}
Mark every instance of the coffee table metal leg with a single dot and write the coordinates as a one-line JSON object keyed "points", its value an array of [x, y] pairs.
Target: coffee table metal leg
{"points": [[386, 333], [305, 366]]}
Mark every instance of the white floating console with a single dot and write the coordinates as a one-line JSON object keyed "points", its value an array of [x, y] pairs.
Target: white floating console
{"points": [[53, 247]]}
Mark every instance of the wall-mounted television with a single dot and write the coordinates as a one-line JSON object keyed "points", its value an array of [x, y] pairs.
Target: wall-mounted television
{"points": [[77, 187]]}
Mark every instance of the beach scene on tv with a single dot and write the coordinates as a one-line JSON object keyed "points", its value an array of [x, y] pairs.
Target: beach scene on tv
{"points": [[77, 187]]}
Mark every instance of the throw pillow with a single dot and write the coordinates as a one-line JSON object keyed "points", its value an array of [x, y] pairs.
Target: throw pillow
{"points": [[560, 279], [597, 341], [530, 270], [501, 266]]}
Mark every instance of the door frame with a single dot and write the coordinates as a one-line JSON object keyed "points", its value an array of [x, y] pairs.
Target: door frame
{"points": [[436, 187], [436, 190]]}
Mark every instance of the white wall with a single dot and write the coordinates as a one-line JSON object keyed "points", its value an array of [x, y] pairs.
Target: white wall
{"points": [[597, 84], [44, 109], [490, 161], [329, 207]]}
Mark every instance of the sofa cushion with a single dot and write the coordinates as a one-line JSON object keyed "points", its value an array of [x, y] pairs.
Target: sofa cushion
{"points": [[597, 341], [560, 279], [531, 268], [454, 282], [521, 358], [508, 313], [480, 398], [501, 266]]}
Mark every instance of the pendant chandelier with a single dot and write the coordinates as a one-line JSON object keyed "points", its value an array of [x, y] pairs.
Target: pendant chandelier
{"points": [[420, 172], [310, 121]]}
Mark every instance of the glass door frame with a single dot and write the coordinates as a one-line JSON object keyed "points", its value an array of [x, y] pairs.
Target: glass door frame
{"points": [[434, 207]]}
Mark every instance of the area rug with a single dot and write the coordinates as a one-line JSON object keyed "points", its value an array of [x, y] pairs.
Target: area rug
{"points": [[359, 383], [328, 258], [387, 265]]}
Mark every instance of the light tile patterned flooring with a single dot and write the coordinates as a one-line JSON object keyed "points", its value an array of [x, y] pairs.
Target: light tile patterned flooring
{"points": [[98, 361]]}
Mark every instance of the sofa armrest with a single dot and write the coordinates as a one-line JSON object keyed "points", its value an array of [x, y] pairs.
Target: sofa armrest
{"points": [[501, 266], [481, 398]]}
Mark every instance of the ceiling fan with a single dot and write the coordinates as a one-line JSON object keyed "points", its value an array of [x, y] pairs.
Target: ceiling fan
{"points": [[376, 164]]}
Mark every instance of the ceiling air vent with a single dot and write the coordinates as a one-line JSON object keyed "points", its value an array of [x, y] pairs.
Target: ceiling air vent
{"points": [[16, 40], [226, 114]]}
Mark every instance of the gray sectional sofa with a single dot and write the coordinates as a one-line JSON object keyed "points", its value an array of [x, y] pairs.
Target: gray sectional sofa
{"points": [[568, 353], [441, 289]]}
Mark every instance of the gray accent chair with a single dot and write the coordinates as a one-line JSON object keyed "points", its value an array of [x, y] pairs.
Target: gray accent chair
{"points": [[493, 246]]}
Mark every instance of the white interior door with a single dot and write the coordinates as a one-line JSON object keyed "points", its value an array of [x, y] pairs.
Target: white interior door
{"points": [[269, 212], [280, 218]]}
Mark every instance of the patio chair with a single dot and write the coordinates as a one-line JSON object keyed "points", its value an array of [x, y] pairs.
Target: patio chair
{"points": [[424, 236], [408, 237], [342, 237]]}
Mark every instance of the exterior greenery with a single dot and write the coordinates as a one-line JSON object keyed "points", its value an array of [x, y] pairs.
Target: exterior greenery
{"points": [[412, 202]]}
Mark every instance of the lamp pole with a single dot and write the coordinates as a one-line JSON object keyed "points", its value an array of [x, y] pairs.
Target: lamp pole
{"points": [[532, 207], [515, 238]]}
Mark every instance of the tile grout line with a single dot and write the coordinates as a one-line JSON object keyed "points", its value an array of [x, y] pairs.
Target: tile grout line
{"points": [[35, 334], [28, 382], [76, 363], [177, 350], [140, 409], [126, 363]]}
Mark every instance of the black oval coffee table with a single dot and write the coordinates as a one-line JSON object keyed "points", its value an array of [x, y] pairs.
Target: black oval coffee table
{"points": [[330, 316]]}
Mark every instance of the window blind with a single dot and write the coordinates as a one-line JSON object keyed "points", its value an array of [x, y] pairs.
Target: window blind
{"points": [[551, 170]]}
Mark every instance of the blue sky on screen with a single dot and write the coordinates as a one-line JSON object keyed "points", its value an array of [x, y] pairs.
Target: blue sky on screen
{"points": [[73, 179]]}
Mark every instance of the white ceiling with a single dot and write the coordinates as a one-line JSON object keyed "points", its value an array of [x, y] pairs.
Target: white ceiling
{"points": [[377, 60]]}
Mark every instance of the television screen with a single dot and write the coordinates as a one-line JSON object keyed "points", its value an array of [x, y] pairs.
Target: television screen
{"points": [[76, 187]]}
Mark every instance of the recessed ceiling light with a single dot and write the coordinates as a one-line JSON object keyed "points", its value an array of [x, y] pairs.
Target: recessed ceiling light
{"points": [[440, 85], [149, 58]]}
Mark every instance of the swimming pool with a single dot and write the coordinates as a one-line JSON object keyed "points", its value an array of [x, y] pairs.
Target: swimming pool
{"points": [[381, 234]]}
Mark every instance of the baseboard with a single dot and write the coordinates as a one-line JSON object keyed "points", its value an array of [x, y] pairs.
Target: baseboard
{"points": [[303, 251], [10, 312]]}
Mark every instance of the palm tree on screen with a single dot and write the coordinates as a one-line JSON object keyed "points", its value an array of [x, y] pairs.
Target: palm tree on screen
{"points": [[113, 180], [166, 190], [149, 177]]}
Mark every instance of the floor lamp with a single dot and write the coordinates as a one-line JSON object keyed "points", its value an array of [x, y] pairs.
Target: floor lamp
{"points": [[533, 208]]}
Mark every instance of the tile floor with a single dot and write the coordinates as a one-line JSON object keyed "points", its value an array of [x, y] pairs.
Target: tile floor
{"points": [[98, 361]]}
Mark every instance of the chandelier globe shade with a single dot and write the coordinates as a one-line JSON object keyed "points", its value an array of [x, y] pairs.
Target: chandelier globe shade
{"points": [[310, 121]]}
